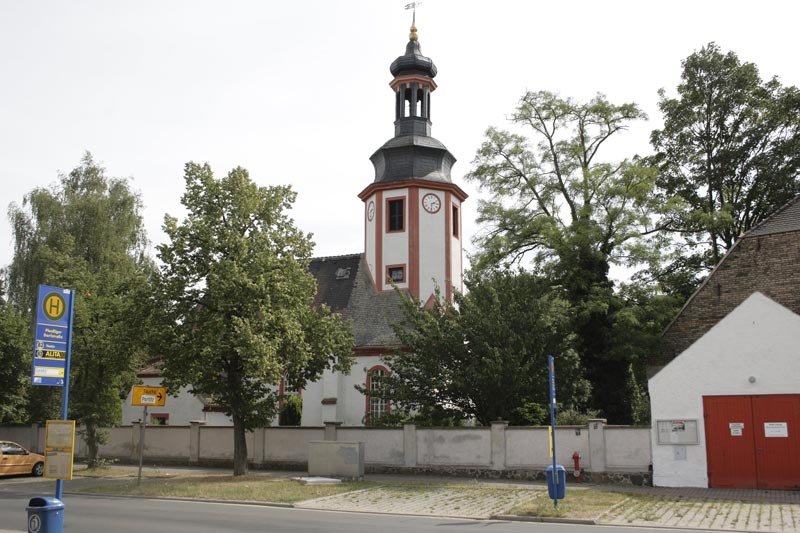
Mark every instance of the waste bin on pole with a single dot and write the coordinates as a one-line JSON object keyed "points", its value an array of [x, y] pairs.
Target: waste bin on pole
{"points": [[45, 515], [556, 491]]}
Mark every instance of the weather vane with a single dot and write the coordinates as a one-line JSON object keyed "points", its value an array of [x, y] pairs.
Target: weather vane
{"points": [[413, 5]]}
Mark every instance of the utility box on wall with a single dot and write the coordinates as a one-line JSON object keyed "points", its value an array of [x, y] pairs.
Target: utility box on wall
{"points": [[336, 459]]}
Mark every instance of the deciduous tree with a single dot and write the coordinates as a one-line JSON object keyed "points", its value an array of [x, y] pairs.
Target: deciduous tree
{"points": [[86, 233], [486, 357], [559, 206], [728, 155], [238, 300]]}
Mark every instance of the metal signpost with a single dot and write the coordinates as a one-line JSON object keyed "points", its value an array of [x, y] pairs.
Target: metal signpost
{"points": [[52, 346], [552, 380], [144, 396]]}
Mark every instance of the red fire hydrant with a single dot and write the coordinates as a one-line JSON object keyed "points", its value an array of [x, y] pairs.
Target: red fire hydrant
{"points": [[576, 459]]}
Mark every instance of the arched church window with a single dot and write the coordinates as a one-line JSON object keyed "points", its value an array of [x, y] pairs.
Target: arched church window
{"points": [[376, 406]]}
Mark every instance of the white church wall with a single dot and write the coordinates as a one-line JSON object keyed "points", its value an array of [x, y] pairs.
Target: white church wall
{"points": [[456, 266], [431, 247], [395, 244], [369, 235], [759, 338]]}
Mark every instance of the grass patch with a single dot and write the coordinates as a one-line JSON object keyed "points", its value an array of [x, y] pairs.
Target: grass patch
{"points": [[120, 472], [246, 488], [579, 503]]}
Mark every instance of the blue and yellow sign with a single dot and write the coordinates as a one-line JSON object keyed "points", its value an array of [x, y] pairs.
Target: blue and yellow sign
{"points": [[53, 329]]}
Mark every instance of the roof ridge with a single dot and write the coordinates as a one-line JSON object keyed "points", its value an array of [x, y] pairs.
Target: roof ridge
{"points": [[343, 256]]}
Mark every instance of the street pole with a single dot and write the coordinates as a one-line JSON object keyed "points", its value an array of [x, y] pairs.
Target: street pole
{"points": [[552, 371], [65, 396], [142, 427]]}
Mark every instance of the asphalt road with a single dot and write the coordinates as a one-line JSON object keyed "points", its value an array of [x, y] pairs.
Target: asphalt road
{"points": [[88, 514]]}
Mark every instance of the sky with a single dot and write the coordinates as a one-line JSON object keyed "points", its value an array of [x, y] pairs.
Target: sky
{"points": [[298, 92]]}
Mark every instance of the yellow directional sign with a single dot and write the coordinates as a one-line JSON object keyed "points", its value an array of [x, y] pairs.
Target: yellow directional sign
{"points": [[144, 396]]}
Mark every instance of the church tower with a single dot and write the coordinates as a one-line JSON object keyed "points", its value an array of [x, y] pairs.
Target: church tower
{"points": [[412, 210]]}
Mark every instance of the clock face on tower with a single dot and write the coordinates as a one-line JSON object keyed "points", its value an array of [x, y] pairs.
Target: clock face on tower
{"points": [[431, 203], [371, 211]]}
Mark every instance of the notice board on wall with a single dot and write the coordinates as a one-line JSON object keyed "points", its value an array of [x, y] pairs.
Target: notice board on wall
{"points": [[683, 431]]}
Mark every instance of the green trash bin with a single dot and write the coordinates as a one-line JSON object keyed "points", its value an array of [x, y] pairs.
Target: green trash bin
{"points": [[45, 515]]}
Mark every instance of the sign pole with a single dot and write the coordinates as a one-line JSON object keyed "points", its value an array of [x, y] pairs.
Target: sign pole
{"points": [[142, 427], [552, 371], [67, 362]]}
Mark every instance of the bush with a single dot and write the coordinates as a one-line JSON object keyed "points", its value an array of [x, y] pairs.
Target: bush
{"points": [[291, 412]]}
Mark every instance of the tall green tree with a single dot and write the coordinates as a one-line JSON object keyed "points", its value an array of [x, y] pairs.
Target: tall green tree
{"points": [[557, 205], [486, 356], [85, 233], [728, 155], [238, 301], [15, 353]]}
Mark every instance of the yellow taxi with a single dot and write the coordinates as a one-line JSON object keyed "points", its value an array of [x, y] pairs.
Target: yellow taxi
{"points": [[14, 459]]}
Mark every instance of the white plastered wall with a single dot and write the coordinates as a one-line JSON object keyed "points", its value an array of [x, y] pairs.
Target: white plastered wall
{"points": [[431, 247], [395, 244], [455, 251], [758, 339], [369, 226]]}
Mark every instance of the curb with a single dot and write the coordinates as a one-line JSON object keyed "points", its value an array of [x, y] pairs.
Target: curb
{"points": [[182, 499], [545, 519]]}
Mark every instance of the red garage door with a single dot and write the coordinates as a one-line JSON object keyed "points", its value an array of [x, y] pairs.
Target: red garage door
{"points": [[753, 441]]}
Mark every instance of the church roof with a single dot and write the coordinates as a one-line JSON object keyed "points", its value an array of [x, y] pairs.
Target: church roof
{"points": [[344, 285], [786, 218], [413, 62]]}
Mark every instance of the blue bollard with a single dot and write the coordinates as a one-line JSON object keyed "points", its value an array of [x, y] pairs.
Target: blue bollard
{"points": [[45, 515], [556, 492]]}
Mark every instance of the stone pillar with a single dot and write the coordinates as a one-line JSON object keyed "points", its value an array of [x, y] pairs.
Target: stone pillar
{"points": [[330, 430], [194, 440], [34, 439], [499, 444], [412, 110], [259, 437], [409, 445], [597, 445]]}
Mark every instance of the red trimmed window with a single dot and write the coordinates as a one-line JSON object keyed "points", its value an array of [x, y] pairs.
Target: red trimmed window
{"points": [[455, 222], [396, 274], [376, 406], [395, 213]]}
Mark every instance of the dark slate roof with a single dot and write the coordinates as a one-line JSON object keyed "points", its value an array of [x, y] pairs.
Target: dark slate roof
{"points": [[786, 218], [413, 62], [344, 285]]}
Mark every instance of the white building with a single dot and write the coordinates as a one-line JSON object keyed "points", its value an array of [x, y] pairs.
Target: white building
{"points": [[726, 408]]}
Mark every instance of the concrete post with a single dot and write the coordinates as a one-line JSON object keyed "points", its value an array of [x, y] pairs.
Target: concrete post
{"points": [[409, 445], [259, 436], [330, 430], [194, 440], [499, 444], [597, 445], [34, 439]]}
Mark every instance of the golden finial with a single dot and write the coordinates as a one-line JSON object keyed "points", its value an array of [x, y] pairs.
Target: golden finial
{"points": [[413, 35]]}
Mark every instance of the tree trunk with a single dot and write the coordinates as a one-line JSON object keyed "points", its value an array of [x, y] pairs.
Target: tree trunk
{"points": [[239, 447], [92, 443]]}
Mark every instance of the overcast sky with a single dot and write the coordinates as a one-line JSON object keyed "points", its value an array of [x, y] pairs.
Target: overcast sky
{"points": [[297, 91]]}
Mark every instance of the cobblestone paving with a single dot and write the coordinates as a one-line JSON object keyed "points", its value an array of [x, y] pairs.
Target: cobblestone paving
{"points": [[734, 510], [452, 501], [728, 515]]}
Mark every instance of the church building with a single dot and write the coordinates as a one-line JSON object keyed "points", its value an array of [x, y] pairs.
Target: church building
{"points": [[412, 241]]}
